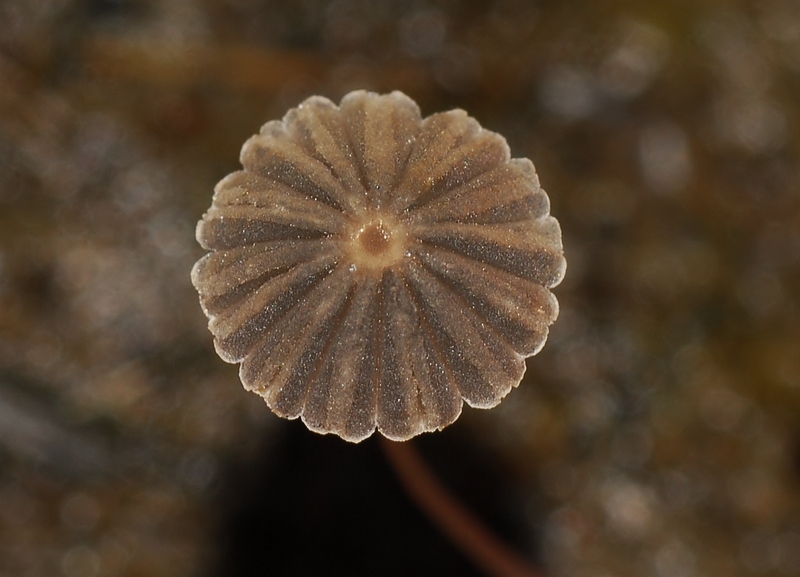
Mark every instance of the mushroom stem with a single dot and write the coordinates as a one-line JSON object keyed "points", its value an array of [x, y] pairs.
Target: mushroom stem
{"points": [[463, 528]]}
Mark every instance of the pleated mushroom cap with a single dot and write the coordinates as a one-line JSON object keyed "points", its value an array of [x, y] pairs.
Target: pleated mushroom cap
{"points": [[373, 269]]}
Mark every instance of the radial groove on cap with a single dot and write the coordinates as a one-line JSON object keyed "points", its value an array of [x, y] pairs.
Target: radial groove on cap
{"points": [[371, 269]]}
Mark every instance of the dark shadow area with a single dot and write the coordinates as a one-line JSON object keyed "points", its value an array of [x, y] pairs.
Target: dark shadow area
{"points": [[315, 505]]}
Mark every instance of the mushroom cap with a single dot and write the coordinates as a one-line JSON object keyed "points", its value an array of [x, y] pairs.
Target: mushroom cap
{"points": [[373, 269]]}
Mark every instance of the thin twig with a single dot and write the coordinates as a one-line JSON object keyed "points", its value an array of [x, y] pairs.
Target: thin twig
{"points": [[466, 531]]}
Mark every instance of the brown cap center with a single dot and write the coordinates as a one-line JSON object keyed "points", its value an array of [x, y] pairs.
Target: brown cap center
{"points": [[376, 245], [375, 239]]}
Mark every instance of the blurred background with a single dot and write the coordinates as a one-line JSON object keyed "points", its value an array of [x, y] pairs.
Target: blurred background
{"points": [[657, 433]]}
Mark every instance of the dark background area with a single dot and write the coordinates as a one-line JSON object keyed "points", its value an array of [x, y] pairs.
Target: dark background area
{"points": [[657, 433]]}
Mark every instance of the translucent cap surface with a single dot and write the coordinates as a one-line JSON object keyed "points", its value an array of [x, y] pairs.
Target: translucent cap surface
{"points": [[373, 269]]}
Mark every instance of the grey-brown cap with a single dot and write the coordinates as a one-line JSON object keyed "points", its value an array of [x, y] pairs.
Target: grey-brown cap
{"points": [[373, 269]]}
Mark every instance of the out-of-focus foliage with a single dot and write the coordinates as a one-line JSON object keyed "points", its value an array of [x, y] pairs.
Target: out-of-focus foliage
{"points": [[658, 433]]}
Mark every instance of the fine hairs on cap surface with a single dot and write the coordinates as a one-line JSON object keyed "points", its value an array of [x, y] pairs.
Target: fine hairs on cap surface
{"points": [[373, 269]]}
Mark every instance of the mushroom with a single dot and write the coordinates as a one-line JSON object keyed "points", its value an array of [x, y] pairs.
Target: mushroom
{"points": [[373, 269]]}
